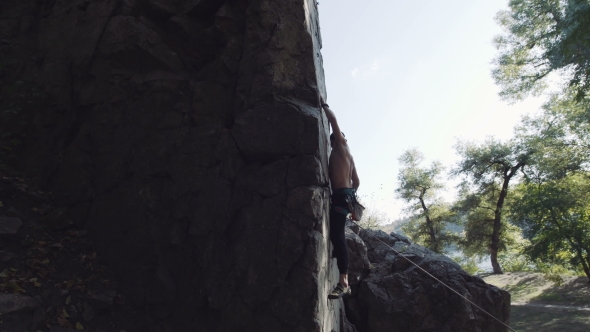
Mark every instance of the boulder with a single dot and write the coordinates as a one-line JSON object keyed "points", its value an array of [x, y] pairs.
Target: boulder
{"points": [[359, 265], [405, 291]]}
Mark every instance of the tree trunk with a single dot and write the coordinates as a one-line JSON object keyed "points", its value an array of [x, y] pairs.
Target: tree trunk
{"points": [[497, 269], [585, 262], [430, 226], [495, 244]]}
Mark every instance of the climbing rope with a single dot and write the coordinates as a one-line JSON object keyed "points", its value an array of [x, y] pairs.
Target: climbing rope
{"points": [[433, 277]]}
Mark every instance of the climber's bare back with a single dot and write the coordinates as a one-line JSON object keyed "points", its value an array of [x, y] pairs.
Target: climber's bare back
{"points": [[341, 167]]}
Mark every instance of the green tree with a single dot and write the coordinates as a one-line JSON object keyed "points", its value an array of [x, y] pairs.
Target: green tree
{"points": [[419, 188], [560, 135], [513, 258], [550, 193], [475, 210], [541, 37], [555, 216], [487, 170]]}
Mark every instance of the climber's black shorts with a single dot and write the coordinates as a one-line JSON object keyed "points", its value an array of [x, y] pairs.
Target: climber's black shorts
{"points": [[338, 213]]}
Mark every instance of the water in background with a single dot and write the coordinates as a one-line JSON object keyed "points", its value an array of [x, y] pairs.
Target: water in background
{"points": [[484, 265]]}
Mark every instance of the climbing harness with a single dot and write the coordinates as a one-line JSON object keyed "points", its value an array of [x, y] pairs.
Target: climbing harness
{"points": [[436, 279], [356, 208]]}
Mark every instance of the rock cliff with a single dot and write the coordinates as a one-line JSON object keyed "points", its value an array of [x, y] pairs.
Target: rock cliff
{"points": [[186, 137]]}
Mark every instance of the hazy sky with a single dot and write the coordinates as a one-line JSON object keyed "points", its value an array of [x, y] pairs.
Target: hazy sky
{"points": [[403, 74]]}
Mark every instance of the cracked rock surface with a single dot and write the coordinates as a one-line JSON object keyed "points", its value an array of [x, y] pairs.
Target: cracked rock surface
{"points": [[186, 138], [395, 295], [51, 278]]}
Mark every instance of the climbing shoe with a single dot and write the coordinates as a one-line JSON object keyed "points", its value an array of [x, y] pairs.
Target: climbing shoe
{"points": [[339, 292]]}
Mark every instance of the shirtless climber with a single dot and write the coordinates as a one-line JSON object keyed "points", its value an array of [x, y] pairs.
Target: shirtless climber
{"points": [[344, 181]]}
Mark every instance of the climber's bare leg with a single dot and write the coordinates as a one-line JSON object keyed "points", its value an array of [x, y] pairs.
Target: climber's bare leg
{"points": [[341, 289], [344, 280]]}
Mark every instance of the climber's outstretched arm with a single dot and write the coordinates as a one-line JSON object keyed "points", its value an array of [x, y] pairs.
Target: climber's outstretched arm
{"points": [[333, 122]]}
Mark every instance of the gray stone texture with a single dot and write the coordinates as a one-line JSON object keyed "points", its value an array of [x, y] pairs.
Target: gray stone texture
{"points": [[9, 225], [186, 137], [15, 303], [397, 296]]}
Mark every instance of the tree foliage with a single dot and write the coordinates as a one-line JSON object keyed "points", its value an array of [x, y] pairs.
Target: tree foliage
{"points": [[475, 208], [551, 204], [548, 160], [487, 170], [541, 37], [560, 135], [419, 187], [476, 211], [431, 228], [555, 216]]}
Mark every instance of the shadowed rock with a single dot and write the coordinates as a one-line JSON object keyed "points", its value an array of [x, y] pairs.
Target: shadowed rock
{"points": [[15, 303], [187, 138], [9, 225], [398, 296]]}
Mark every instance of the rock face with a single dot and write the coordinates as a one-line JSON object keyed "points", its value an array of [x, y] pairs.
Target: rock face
{"points": [[186, 137], [397, 296], [14, 303], [9, 225]]}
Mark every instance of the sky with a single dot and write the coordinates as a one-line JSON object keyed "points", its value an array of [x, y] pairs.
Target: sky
{"points": [[412, 74]]}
